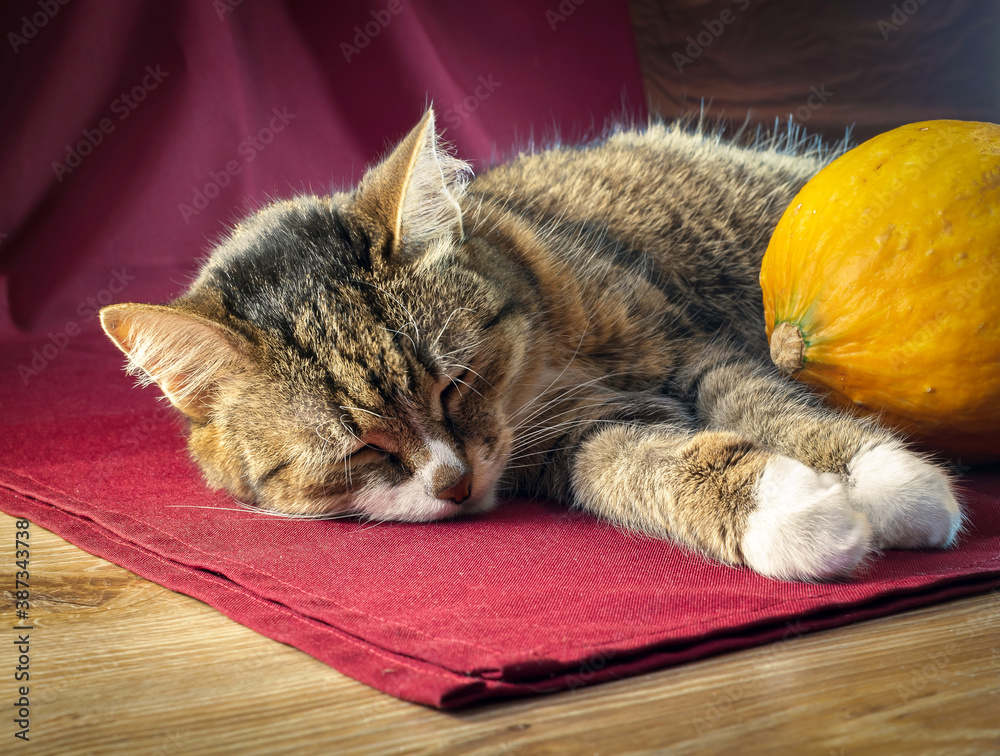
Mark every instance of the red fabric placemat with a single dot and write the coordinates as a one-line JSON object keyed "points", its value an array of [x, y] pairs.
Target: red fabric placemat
{"points": [[260, 100], [526, 599]]}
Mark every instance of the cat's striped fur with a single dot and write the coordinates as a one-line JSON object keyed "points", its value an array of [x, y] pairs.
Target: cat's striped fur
{"points": [[581, 323]]}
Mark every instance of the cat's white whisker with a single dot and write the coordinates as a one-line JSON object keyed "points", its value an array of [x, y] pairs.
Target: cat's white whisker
{"points": [[467, 369], [362, 409], [555, 380], [560, 429], [401, 333], [447, 321], [566, 394]]}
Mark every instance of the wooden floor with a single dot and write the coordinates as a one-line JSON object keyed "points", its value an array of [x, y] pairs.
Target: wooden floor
{"points": [[120, 665]]}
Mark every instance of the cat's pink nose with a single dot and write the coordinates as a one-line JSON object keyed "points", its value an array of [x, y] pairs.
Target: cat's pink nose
{"points": [[459, 491]]}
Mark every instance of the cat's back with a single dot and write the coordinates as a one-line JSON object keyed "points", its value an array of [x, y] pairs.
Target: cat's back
{"points": [[646, 185], [673, 204]]}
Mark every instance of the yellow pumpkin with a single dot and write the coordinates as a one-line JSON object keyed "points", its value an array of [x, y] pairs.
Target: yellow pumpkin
{"points": [[882, 283]]}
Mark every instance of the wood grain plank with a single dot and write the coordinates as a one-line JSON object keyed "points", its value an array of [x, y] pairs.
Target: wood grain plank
{"points": [[123, 666]]}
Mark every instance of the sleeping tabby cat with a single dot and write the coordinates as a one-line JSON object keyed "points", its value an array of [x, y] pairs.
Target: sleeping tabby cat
{"points": [[583, 324]]}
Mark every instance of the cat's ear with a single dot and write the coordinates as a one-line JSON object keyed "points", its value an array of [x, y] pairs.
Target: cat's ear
{"points": [[188, 356], [414, 192]]}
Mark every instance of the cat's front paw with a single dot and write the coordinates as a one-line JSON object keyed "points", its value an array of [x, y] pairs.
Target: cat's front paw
{"points": [[909, 502], [803, 527]]}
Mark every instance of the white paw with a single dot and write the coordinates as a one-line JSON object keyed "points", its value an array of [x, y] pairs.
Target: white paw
{"points": [[803, 527], [908, 501]]}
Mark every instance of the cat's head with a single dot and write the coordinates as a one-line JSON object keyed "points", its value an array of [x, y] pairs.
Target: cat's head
{"points": [[350, 353]]}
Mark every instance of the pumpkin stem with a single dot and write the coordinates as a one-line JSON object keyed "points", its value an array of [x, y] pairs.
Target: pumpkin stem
{"points": [[787, 348]]}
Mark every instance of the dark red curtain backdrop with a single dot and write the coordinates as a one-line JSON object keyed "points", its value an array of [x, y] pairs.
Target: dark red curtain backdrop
{"points": [[130, 135], [118, 114]]}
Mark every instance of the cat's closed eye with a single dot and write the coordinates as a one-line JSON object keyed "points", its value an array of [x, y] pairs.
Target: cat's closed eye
{"points": [[460, 385], [367, 454]]}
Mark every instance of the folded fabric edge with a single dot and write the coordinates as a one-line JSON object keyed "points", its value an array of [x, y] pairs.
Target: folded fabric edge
{"points": [[401, 676], [423, 682], [771, 641]]}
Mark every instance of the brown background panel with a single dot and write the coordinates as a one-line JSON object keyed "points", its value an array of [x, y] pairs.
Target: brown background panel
{"points": [[832, 64]]}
